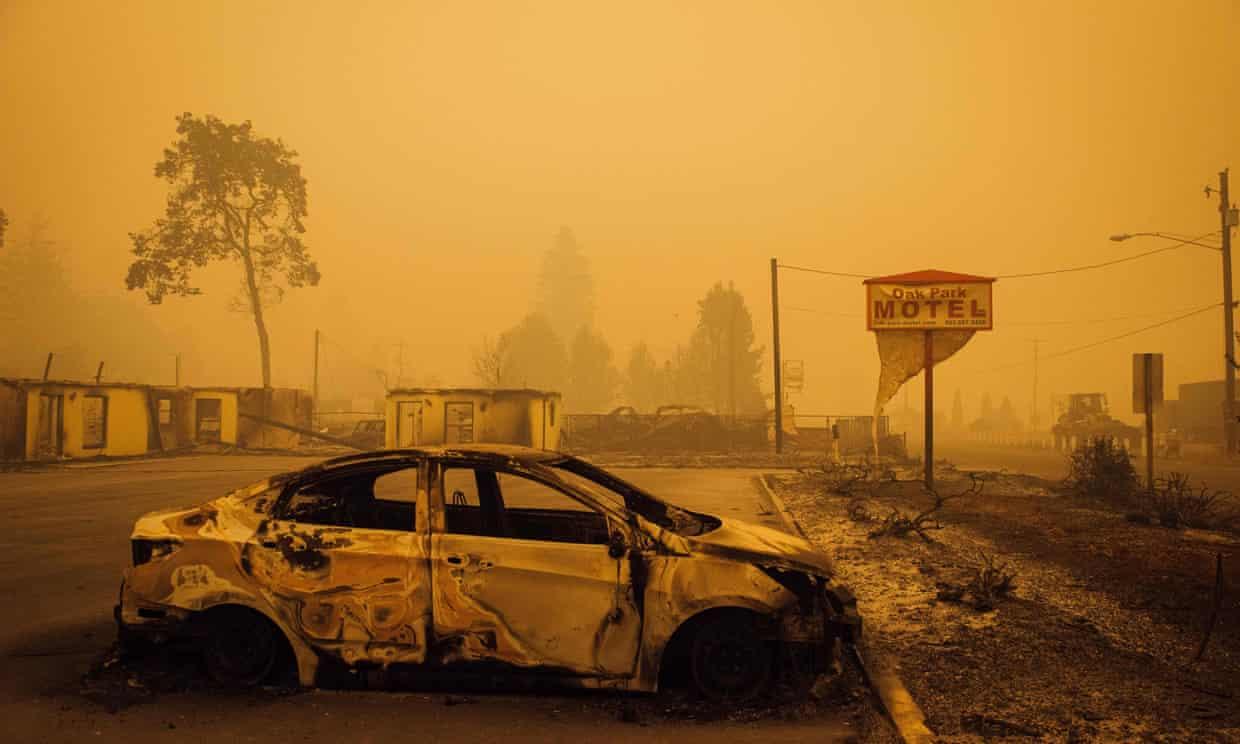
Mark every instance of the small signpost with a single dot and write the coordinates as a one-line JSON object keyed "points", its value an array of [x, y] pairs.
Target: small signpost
{"points": [[1147, 395], [930, 301]]}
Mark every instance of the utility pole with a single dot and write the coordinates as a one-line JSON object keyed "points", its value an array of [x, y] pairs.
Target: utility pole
{"points": [[1147, 363], [779, 390], [400, 363], [1033, 415], [314, 405], [1229, 362], [732, 362], [929, 444]]}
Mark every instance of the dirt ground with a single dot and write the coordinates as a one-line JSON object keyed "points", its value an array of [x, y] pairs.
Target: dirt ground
{"points": [[1093, 642]]}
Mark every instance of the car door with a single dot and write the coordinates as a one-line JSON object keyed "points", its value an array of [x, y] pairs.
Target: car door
{"points": [[344, 561], [522, 573]]}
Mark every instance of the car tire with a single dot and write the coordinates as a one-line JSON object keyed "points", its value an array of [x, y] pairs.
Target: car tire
{"points": [[728, 660], [241, 647]]}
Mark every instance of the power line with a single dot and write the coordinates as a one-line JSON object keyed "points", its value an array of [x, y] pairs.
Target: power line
{"points": [[1090, 267], [823, 312], [1107, 340], [828, 273], [1180, 243], [1087, 321], [1169, 321]]}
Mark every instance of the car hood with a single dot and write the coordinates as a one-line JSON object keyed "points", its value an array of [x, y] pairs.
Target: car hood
{"points": [[754, 543]]}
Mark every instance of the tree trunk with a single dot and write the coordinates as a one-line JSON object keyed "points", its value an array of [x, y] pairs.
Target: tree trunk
{"points": [[256, 307]]}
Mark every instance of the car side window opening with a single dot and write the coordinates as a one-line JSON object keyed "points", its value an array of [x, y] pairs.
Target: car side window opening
{"points": [[489, 503], [377, 500]]}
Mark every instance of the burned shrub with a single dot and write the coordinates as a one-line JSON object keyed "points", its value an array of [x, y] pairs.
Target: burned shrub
{"points": [[1175, 503], [859, 511], [839, 478], [991, 581], [1101, 468]]}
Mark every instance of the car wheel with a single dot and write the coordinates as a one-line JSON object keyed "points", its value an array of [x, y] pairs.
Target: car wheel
{"points": [[241, 648], [729, 661]]}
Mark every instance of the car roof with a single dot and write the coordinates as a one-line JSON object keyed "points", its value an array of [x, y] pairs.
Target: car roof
{"points": [[495, 453]]}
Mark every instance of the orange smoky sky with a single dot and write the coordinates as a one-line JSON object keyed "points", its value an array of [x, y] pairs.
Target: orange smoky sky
{"points": [[445, 144]]}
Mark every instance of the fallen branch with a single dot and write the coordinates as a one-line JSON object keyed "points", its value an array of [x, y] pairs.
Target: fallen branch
{"points": [[901, 524]]}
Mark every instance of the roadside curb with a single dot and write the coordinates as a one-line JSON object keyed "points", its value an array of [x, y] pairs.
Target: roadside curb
{"points": [[895, 699], [779, 505]]}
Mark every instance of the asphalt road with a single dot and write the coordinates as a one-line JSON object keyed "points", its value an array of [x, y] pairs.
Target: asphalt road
{"points": [[65, 542]]}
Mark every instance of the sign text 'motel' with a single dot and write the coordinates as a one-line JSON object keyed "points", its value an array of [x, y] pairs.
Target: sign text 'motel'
{"points": [[929, 300]]}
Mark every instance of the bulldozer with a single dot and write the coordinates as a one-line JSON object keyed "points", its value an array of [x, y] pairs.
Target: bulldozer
{"points": [[1085, 416]]}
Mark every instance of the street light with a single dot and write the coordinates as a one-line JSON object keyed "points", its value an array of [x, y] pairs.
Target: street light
{"points": [[1228, 220]]}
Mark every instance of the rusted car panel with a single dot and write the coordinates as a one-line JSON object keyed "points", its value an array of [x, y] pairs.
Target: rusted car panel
{"points": [[596, 612]]}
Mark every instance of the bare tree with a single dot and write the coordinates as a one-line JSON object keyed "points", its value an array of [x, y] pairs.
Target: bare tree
{"points": [[489, 363]]}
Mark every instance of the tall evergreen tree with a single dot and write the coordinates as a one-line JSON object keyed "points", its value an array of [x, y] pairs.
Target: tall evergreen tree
{"points": [[592, 377], [645, 381], [721, 360], [986, 414], [533, 355], [37, 304], [565, 287]]}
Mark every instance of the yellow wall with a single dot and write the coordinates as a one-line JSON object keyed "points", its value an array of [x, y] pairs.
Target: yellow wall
{"points": [[500, 416], [127, 422], [228, 413], [545, 415]]}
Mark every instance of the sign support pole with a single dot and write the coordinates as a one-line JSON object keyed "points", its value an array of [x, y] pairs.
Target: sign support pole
{"points": [[779, 388], [929, 445], [1147, 360]]}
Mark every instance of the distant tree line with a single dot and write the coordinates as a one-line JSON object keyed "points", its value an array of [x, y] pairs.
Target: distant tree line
{"points": [[989, 418], [42, 311], [557, 347]]}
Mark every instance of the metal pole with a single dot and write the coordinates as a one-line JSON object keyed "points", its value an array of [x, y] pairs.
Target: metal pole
{"points": [[1148, 361], [314, 405], [47, 368], [1033, 417], [929, 447], [99, 373], [732, 363], [400, 363], [779, 390], [1229, 368]]}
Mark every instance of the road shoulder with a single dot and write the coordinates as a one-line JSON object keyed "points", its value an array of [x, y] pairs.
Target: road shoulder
{"points": [[897, 702]]}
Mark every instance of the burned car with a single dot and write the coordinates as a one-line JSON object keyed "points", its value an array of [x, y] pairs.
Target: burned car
{"points": [[368, 434], [481, 557]]}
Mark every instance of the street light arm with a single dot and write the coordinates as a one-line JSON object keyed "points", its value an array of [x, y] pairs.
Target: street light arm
{"points": [[1121, 237]]}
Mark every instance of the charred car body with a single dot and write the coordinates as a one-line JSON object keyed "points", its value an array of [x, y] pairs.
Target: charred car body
{"points": [[481, 557]]}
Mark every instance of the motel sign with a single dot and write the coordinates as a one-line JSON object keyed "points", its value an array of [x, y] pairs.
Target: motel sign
{"points": [[929, 300]]}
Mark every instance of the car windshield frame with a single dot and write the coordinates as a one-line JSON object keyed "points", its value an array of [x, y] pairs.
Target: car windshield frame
{"points": [[601, 483]]}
